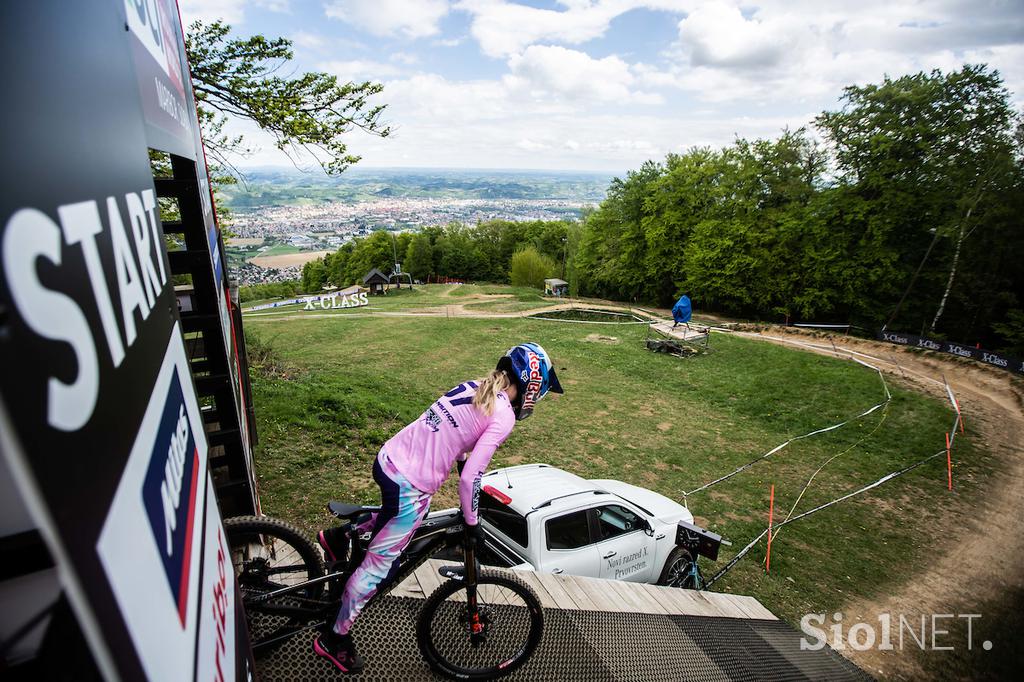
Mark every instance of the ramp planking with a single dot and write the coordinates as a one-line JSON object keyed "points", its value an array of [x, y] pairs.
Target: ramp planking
{"points": [[592, 629], [578, 593]]}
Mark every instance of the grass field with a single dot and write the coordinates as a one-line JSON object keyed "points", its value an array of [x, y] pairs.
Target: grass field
{"points": [[328, 392], [280, 249], [287, 260], [270, 255]]}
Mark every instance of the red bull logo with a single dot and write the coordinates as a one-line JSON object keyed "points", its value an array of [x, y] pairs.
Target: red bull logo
{"points": [[532, 393]]}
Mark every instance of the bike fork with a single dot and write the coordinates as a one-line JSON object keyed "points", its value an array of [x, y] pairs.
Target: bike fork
{"points": [[476, 627]]}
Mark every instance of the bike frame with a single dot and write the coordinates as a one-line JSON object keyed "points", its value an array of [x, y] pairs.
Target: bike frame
{"points": [[438, 530]]}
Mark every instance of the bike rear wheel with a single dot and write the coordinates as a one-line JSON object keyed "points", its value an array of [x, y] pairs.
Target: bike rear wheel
{"points": [[513, 624], [268, 554]]}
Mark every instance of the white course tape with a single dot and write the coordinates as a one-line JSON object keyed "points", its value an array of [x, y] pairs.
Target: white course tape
{"points": [[888, 397], [888, 477]]}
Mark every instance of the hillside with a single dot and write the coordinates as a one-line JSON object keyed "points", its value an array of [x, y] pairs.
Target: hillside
{"points": [[288, 187], [332, 387]]}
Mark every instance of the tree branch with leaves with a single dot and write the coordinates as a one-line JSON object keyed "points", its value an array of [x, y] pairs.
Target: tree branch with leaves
{"points": [[309, 113]]}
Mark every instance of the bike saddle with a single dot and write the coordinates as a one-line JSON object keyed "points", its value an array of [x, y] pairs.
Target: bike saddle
{"points": [[344, 510]]}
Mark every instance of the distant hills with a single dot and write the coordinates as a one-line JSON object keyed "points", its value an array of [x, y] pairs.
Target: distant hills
{"points": [[291, 187]]}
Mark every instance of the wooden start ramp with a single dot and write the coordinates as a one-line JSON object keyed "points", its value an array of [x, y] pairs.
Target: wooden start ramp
{"points": [[594, 630], [577, 593]]}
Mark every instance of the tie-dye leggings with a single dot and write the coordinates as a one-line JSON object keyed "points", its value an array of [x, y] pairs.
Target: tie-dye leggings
{"points": [[403, 506]]}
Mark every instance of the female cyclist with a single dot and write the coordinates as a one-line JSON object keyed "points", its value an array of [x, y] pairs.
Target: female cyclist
{"points": [[475, 418]]}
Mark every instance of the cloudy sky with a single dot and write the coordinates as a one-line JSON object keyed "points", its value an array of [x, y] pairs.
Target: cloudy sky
{"points": [[607, 84]]}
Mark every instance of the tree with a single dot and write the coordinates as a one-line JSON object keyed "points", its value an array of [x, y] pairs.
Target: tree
{"points": [[529, 268], [419, 257], [311, 112], [1012, 331], [921, 156], [337, 265], [314, 276], [612, 246], [374, 251], [455, 254]]}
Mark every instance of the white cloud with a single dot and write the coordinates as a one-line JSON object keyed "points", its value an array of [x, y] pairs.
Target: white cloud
{"points": [[448, 42], [309, 41], [282, 6], [718, 35], [802, 52], [406, 58], [531, 146], [504, 28], [408, 18], [325, 46], [359, 70], [489, 123], [228, 11], [735, 68], [547, 70]]}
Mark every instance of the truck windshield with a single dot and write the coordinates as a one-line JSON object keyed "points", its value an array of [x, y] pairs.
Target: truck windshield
{"points": [[504, 519]]}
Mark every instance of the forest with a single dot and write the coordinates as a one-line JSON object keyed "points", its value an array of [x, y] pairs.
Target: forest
{"points": [[902, 208]]}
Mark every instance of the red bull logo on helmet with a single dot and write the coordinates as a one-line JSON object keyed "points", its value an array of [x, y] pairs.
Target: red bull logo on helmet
{"points": [[534, 380]]}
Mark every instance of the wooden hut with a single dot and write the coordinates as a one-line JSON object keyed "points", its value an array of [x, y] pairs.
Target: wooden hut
{"points": [[375, 281]]}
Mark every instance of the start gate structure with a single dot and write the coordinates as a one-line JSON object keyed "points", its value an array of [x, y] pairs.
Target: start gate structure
{"points": [[594, 630]]}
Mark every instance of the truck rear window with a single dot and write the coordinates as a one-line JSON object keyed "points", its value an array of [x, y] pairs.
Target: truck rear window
{"points": [[504, 519]]}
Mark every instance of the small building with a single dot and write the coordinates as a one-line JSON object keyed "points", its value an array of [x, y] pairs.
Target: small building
{"points": [[556, 287], [375, 281]]}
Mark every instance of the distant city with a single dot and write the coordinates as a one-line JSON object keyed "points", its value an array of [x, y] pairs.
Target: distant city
{"points": [[283, 218], [295, 222]]}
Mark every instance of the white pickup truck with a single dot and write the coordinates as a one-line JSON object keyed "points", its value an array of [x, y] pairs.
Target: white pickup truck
{"points": [[541, 518]]}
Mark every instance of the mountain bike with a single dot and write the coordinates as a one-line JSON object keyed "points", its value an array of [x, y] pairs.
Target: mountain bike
{"points": [[478, 624]]}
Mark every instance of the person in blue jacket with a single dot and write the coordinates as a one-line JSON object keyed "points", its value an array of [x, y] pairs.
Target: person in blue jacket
{"points": [[682, 311]]}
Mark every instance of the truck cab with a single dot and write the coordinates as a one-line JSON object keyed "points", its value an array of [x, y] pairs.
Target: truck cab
{"points": [[539, 517]]}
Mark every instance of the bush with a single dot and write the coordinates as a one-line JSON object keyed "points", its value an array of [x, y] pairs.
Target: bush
{"points": [[529, 268]]}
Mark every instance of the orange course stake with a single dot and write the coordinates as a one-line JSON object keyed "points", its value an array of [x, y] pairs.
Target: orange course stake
{"points": [[949, 463], [771, 510]]}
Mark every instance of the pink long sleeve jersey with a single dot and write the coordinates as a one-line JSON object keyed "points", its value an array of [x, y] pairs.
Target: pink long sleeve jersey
{"points": [[425, 450]]}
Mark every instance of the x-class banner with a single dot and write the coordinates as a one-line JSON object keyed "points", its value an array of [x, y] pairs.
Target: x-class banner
{"points": [[958, 349]]}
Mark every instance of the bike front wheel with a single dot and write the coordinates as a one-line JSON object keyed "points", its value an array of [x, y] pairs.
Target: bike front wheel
{"points": [[512, 618]]}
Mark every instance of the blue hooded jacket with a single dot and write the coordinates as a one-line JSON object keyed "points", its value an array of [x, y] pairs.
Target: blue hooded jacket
{"points": [[682, 310]]}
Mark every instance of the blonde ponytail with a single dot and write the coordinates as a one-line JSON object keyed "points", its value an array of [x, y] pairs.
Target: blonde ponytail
{"points": [[487, 393]]}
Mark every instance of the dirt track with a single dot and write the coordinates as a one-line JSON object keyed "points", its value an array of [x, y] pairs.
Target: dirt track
{"points": [[983, 563], [454, 310]]}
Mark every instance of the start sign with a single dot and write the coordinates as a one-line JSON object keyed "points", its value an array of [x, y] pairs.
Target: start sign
{"points": [[104, 436]]}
